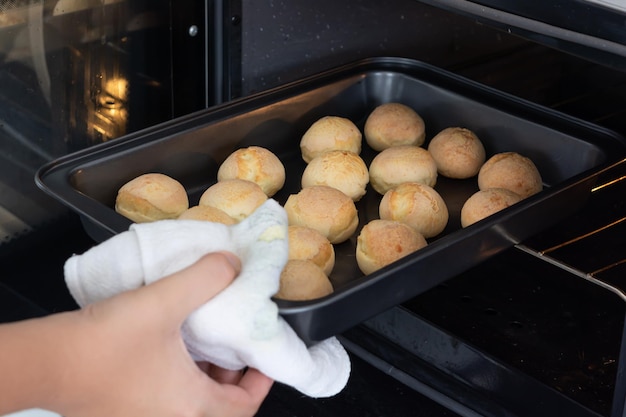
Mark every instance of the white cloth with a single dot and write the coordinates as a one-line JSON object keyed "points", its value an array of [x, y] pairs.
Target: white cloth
{"points": [[240, 326]]}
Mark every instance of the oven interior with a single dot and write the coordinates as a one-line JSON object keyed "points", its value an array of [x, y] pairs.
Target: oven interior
{"points": [[537, 330]]}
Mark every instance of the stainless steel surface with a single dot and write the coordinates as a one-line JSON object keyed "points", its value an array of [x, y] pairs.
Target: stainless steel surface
{"points": [[618, 5]]}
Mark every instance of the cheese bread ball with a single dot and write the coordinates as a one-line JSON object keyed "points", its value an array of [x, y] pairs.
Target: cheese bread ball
{"points": [[512, 171], [401, 164], [343, 170], [310, 245], [256, 164], [382, 242], [151, 197], [208, 214], [302, 280], [458, 152], [325, 209], [484, 203], [330, 133], [393, 124], [237, 198], [417, 205]]}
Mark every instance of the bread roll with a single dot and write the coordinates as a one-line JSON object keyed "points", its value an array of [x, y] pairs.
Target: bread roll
{"points": [[393, 124], [342, 170], [484, 203], [302, 280], [417, 205], [330, 133], [382, 242], [512, 171], [401, 164], [325, 209], [237, 198], [207, 213], [151, 197], [255, 164], [458, 152], [310, 245]]}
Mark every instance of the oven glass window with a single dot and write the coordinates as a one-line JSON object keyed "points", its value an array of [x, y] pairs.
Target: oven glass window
{"points": [[73, 74]]}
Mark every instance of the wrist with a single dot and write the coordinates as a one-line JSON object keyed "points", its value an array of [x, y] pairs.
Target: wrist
{"points": [[35, 362]]}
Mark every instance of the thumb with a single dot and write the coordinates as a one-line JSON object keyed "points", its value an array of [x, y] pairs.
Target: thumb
{"points": [[181, 293]]}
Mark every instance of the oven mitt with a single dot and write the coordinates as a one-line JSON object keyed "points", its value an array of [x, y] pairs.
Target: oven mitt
{"points": [[240, 327]]}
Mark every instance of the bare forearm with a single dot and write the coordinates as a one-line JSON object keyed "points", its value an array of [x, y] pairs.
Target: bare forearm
{"points": [[30, 360]]}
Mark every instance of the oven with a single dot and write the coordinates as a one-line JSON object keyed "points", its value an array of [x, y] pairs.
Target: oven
{"points": [[537, 329]]}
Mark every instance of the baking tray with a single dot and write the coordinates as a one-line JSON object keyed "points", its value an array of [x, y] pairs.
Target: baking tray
{"points": [[569, 153]]}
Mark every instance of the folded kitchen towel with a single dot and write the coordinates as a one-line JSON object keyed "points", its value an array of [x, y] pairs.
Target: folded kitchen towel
{"points": [[239, 327]]}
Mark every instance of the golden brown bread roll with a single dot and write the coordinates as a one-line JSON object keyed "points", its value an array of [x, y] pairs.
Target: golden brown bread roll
{"points": [[484, 203], [330, 133], [256, 164], [458, 152], [401, 164], [237, 198], [302, 280], [393, 124], [343, 170], [325, 209], [310, 245], [417, 205], [382, 242], [151, 197], [512, 171], [207, 213]]}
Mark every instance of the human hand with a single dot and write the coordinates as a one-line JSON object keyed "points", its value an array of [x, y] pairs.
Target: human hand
{"points": [[125, 356]]}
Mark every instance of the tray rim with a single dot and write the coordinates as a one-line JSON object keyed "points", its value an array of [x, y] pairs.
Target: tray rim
{"points": [[70, 162]]}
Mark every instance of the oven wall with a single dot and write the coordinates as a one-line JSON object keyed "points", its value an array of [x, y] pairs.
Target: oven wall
{"points": [[283, 41]]}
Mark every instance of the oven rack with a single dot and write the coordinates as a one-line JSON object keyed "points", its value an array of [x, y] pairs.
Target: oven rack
{"points": [[538, 330]]}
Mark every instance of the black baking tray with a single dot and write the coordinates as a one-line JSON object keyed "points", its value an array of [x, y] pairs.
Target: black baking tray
{"points": [[568, 152]]}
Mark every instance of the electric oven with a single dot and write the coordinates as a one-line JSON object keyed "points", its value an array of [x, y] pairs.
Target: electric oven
{"points": [[537, 329]]}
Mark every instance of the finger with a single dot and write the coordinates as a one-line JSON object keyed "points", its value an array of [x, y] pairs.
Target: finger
{"points": [[256, 384], [225, 376], [181, 293], [204, 366]]}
